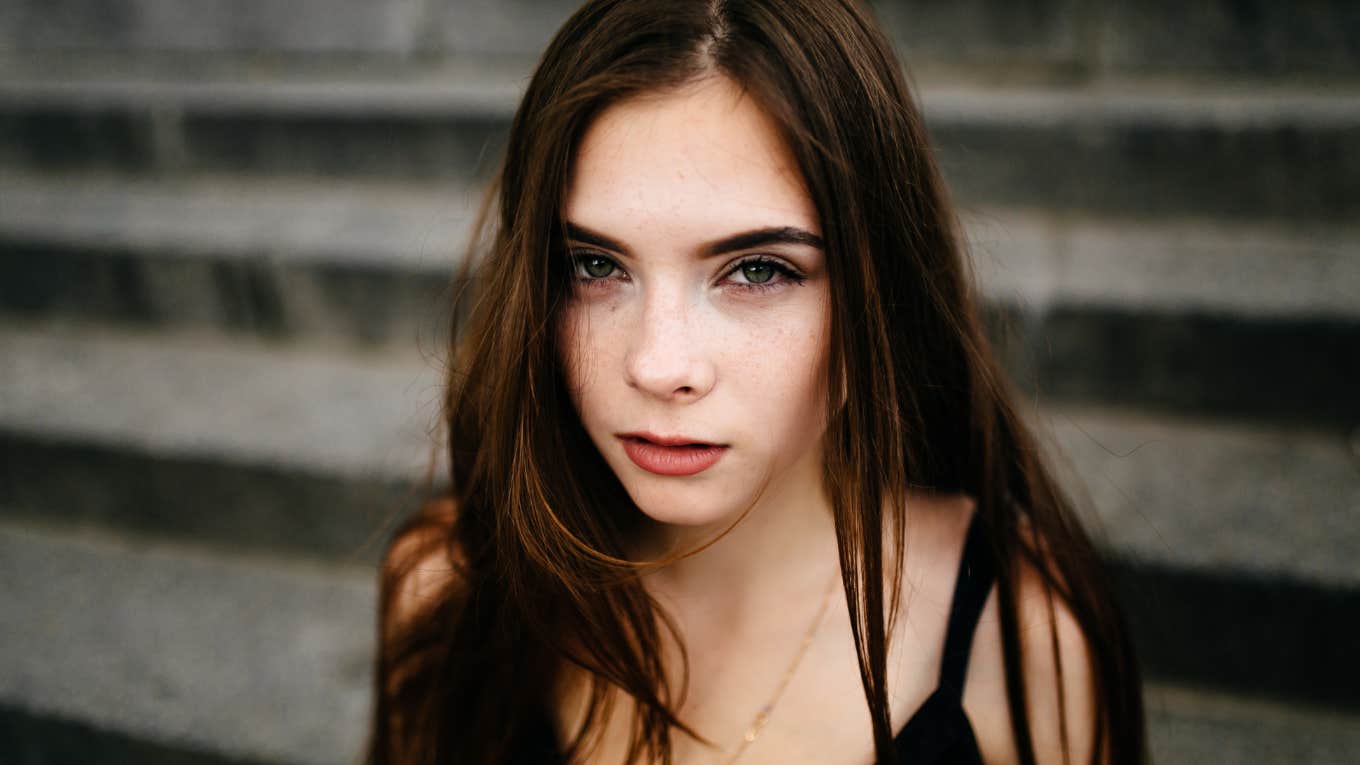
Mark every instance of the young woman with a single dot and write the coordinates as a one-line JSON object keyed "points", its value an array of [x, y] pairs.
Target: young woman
{"points": [[734, 472]]}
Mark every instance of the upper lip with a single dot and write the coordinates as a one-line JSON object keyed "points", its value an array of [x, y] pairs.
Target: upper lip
{"points": [[667, 440]]}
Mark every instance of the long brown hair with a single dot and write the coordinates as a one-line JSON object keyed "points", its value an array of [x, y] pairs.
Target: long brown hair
{"points": [[536, 522]]}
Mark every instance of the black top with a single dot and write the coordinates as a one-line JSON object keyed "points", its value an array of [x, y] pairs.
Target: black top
{"points": [[939, 732]]}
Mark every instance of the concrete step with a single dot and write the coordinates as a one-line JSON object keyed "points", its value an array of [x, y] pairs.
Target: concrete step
{"points": [[1100, 38], [1191, 726], [170, 654], [1232, 545], [1171, 313], [179, 653], [1113, 147], [1054, 37], [366, 264], [1208, 524], [244, 444], [1175, 314]]}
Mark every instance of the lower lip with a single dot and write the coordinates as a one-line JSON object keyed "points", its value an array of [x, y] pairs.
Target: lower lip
{"points": [[671, 460]]}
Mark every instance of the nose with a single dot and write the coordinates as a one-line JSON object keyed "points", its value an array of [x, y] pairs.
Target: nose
{"points": [[668, 356]]}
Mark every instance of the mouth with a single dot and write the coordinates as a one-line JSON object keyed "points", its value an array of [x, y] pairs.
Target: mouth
{"points": [[678, 440], [671, 455]]}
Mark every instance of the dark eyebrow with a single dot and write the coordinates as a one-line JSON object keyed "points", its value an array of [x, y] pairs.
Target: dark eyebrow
{"points": [[742, 241]]}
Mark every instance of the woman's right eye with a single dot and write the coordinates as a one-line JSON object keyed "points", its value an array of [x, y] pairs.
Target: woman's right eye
{"points": [[592, 266]]}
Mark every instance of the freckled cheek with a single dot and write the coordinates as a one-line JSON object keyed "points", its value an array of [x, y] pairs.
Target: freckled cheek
{"points": [[777, 367]]}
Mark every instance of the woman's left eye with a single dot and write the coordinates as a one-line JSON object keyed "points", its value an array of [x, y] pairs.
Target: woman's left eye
{"points": [[763, 273], [758, 274]]}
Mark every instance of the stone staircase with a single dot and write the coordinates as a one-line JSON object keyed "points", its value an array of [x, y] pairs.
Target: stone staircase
{"points": [[227, 232]]}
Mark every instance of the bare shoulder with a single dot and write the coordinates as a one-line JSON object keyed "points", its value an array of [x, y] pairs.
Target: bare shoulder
{"points": [[419, 573], [1059, 690], [421, 566]]}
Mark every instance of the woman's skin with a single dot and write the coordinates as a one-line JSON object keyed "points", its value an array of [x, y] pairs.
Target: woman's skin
{"points": [[659, 338]]}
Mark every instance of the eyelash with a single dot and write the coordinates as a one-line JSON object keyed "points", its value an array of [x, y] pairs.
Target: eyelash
{"points": [[790, 276]]}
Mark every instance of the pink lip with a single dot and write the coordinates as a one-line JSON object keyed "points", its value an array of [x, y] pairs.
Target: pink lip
{"points": [[662, 459]]}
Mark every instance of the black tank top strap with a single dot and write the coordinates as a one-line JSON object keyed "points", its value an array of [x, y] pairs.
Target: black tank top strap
{"points": [[974, 582]]}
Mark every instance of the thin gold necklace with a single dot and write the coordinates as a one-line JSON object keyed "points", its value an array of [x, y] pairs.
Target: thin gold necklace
{"points": [[763, 716]]}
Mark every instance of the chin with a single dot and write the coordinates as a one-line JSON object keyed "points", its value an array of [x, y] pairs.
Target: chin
{"points": [[684, 506]]}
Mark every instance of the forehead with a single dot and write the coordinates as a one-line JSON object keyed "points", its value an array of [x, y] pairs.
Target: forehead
{"points": [[692, 163]]}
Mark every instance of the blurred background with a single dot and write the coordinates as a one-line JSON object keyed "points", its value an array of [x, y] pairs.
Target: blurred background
{"points": [[227, 230]]}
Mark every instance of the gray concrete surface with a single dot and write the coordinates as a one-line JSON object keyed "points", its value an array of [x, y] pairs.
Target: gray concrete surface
{"points": [[1217, 496], [356, 415], [1189, 727], [1131, 149], [240, 656], [1057, 37]]}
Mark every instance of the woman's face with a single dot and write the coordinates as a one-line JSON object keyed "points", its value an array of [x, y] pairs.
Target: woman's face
{"points": [[700, 303]]}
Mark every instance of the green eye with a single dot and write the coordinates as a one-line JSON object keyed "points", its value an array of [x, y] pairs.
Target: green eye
{"points": [[757, 272], [597, 267]]}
